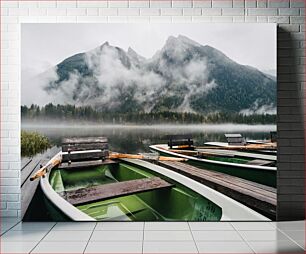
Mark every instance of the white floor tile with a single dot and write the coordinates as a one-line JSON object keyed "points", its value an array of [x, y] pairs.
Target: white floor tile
{"points": [[166, 226], [223, 247], [167, 236], [216, 236], [2, 231], [276, 247], [107, 236], [169, 247], [290, 225], [17, 247], [33, 226], [23, 236], [253, 226], [297, 235], [219, 226], [69, 226], [114, 247], [6, 226], [60, 247], [274, 235], [120, 226], [69, 236]]}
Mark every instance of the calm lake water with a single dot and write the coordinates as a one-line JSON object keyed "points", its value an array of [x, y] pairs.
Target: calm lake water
{"points": [[138, 138]]}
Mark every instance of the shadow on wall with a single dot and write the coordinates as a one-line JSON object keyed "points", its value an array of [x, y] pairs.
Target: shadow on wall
{"points": [[290, 127]]}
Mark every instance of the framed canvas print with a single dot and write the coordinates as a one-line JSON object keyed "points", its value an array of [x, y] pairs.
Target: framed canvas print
{"points": [[148, 122]]}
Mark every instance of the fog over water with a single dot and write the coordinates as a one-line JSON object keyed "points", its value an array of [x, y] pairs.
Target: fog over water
{"points": [[138, 138]]}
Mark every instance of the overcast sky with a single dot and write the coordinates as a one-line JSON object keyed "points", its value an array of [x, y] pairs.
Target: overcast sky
{"points": [[45, 45]]}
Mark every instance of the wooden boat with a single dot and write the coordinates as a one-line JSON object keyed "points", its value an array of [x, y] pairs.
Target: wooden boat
{"points": [[250, 146], [132, 190], [239, 143], [259, 168]]}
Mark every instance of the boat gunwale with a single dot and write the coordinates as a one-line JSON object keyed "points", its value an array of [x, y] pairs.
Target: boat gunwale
{"points": [[156, 148], [64, 206]]}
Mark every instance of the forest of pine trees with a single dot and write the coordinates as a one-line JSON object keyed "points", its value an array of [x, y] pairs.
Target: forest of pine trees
{"points": [[69, 113]]}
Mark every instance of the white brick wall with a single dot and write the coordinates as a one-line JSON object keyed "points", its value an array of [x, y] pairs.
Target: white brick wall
{"points": [[289, 13]]}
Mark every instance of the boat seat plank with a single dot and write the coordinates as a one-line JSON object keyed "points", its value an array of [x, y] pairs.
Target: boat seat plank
{"points": [[258, 197], [87, 164], [84, 147], [113, 190], [84, 155], [230, 178], [234, 182]]}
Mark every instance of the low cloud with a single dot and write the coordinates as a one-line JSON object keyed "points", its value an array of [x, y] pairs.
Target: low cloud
{"points": [[117, 77], [256, 108]]}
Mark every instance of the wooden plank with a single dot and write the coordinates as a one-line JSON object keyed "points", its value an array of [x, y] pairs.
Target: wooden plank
{"points": [[231, 179], [36, 161], [113, 190], [83, 155], [86, 164], [29, 169], [84, 140], [249, 189], [84, 146], [256, 187], [180, 143], [251, 194], [25, 162], [28, 188]]}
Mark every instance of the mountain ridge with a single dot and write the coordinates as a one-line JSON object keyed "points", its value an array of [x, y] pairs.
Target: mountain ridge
{"points": [[183, 76]]}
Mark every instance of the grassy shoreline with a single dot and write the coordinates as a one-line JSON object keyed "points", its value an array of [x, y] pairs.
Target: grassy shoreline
{"points": [[33, 143]]}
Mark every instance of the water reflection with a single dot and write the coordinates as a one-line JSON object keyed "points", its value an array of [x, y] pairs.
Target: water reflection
{"points": [[136, 139]]}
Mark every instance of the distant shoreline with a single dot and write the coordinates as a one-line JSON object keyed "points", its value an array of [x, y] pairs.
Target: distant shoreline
{"points": [[228, 127]]}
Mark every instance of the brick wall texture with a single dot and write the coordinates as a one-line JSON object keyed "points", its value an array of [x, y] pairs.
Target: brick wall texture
{"points": [[289, 14]]}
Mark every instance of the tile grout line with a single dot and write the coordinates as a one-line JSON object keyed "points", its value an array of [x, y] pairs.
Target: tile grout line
{"points": [[274, 225], [42, 238], [245, 241], [143, 232], [10, 228], [290, 238], [193, 237], [90, 237]]}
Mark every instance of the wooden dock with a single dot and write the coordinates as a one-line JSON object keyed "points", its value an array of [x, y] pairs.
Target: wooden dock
{"points": [[28, 167], [256, 196], [113, 190]]}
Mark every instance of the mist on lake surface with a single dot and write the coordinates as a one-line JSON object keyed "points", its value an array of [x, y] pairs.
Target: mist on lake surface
{"points": [[138, 138]]}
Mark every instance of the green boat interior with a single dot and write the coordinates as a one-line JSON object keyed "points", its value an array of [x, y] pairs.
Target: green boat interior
{"points": [[176, 203]]}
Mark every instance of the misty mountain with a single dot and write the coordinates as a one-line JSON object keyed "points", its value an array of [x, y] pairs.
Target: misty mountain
{"points": [[183, 76]]}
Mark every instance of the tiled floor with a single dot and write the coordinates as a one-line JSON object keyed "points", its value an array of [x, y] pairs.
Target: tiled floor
{"points": [[152, 237]]}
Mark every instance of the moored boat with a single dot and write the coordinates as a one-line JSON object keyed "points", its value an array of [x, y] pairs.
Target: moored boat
{"points": [[253, 146], [238, 143], [258, 168], [172, 197]]}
